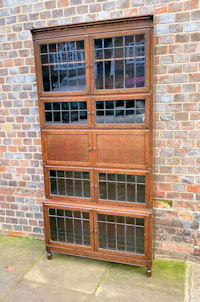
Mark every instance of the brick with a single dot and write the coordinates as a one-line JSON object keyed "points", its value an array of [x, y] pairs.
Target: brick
{"points": [[160, 9], [193, 188], [82, 9], [167, 39], [174, 7], [191, 4], [175, 88], [189, 27], [189, 87], [33, 17], [176, 28], [69, 11], [182, 17], [175, 68], [62, 3], [180, 78], [57, 13], [131, 12], [95, 8], [168, 98], [195, 15], [161, 29], [167, 18], [121, 4], [110, 5], [194, 77], [136, 3], [195, 37], [181, 116], [50, 4], [182, 38]]}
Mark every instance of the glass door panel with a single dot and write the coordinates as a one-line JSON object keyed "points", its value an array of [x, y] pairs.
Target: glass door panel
{"points": [[69, 226], [66, 113], [121, 111], [120, 233], [69, 183], [63, 66], [126, 188], [120, 61]]}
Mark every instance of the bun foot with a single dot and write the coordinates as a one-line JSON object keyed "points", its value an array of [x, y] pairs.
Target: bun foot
{"points": [[49, 255], [148, 272]]}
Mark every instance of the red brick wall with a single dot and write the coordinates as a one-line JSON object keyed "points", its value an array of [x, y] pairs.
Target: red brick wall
{"points": [[176, 113]]}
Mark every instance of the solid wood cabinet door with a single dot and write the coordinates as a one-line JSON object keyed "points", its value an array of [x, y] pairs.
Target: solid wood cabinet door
{"points": [[121, 149], [66, 147]]}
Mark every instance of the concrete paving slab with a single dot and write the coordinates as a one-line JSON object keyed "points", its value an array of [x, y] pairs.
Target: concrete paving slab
{"points": [[116, 292], [195, 283], [18, 253], [70, 272], [28, 291], [168, 278]]}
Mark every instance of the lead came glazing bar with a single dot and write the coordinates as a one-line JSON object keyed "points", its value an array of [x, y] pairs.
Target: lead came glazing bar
{"points": [[122, 187], [119, 62], [65, 112], [63, 229], [66, 65], [128, 242], [120, 111], [69, 183]]}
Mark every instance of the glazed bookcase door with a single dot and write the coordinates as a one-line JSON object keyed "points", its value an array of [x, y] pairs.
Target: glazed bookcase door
{"points": [[122, 233], [131, 188], [73, 184], [63, 66], [121, 111], [59, 113], [69, 228], [120, 61]]}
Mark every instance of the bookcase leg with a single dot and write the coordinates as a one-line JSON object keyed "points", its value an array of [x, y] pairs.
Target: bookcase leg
{"points": [[148, 272], [49, 255]]}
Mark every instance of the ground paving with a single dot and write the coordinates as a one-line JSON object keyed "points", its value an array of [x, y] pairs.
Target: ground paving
{"points": [[26, 275]]}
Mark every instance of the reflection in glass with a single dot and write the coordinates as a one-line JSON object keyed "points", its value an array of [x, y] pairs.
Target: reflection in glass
{"points": [[121, 112], [120, 62], [122, 187], [72, 227], [121, 233], [63, 66], [65, 112]]}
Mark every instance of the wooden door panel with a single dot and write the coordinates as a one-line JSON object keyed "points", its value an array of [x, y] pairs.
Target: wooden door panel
{"points": [[123, 149], [67, 147]]}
